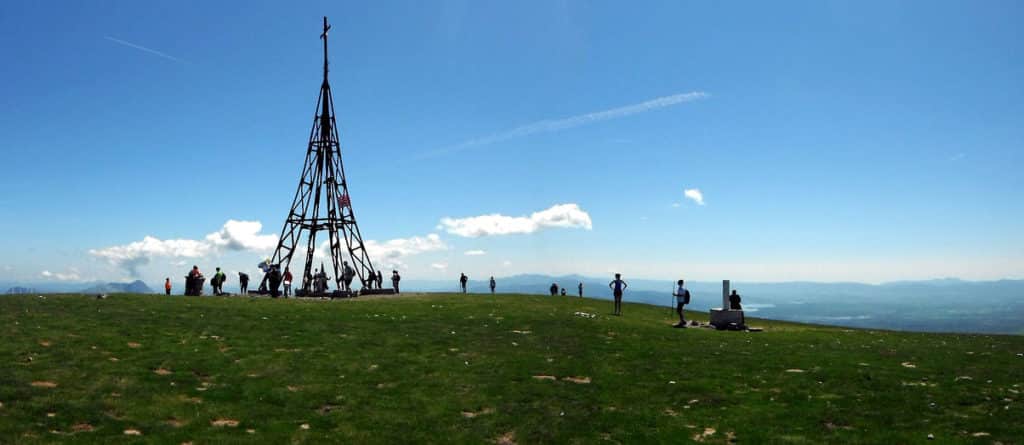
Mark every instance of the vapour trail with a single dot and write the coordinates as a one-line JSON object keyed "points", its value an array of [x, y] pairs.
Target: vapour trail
{"points": [[143, 48], [552, 125]]}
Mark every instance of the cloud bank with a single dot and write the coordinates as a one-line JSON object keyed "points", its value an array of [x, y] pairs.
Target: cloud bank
{"points": [[475, 252], [694, 195], [569, 216], [390, 253], [70, 276], [232, 236], [553, 125]]}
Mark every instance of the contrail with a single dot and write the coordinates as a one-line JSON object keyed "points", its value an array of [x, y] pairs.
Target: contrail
{"points": [[547, 126], [143, 48]]}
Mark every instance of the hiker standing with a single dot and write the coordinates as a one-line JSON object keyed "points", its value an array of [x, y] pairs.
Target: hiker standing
{"points": [[682, 295], [167, 286], [617, 286], [380, 280], [581, 289], [463, 280], [553, 289], [395, 278], [287, 277], [275, 280], [243, 283], [493, 285], [563, 291], [347, 274], [218, 282]]}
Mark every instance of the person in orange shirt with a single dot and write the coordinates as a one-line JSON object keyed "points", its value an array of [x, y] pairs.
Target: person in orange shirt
{"points": [[167, 286]]}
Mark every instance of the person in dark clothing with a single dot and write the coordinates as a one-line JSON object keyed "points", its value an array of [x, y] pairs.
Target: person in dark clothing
{"points": [[275, 281], [554, 289], [581, 289], [682, 295], [395, 278], [618, 286], [734, 301], [243, 283], [563, 291], [494, 284], [462, 281], [380, 280], [347, 274]]}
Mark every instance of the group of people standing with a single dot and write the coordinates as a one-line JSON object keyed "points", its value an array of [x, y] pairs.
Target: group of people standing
{"points": [[274, 279]]}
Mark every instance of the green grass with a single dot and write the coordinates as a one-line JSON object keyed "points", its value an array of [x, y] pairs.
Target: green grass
{"points": [[405, 370]]}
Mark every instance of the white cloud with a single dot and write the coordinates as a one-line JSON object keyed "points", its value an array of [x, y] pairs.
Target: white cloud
{"points": [[72, 275], [694, 195], [242, 235], [234, 235], [558, 216], [548, 126], [676, 204], [390, 253], [439, 266], [475, 252]]}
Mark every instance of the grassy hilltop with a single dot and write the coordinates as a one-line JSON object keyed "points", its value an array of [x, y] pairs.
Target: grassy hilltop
{"points": [[478, 369]]}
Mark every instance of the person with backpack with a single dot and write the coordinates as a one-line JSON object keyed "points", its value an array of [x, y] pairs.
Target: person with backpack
{"points": [[493, 285], [463, 280], [275, 280], [682, 295], [380, 280], [553, 289], [218, 282], [618, 286], [395, 278]]}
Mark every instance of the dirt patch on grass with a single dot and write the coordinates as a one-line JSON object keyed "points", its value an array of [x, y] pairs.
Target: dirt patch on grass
{"points": [[162, 371], [44, 384], [114, 359], [580, 380], [795, 370], [472, 414], [134, 345], [326, 409], [45, 343], [671, 412], [908, 365], [516, 331], [508, 438], [545, 377], [132, 432], [701, 436], [225, 422], [293, 388], [175, 422], [82, 428]]}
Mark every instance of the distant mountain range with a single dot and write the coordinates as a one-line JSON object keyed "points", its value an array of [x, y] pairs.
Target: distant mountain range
{"points": [[944, 305], [135, 287]]}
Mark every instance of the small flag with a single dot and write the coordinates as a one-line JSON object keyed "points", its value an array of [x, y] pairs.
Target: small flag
{"points": [[344, 201]]}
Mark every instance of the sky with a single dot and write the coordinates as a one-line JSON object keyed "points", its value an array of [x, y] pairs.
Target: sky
{"points": [[810, 141]]}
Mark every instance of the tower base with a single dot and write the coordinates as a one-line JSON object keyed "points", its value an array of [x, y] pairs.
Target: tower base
{"points": [[727, 319]]}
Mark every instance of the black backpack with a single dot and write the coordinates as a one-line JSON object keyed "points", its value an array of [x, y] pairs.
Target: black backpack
{"points": [[686, 297]]}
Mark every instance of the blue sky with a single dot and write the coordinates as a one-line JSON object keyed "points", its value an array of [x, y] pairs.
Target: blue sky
{"points": [[831, 141]]}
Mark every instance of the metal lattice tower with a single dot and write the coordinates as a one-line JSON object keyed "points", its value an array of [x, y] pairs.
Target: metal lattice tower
{"points": [[322, 202]]}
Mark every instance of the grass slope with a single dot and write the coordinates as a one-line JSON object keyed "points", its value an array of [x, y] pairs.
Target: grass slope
{"points": [[452, 368]]}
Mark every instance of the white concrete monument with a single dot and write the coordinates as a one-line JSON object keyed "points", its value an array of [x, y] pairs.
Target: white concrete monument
{"points": [[722, 317]]}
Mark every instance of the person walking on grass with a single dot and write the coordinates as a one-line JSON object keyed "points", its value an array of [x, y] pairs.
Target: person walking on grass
{"points": [[682, 295], [581, 289], [463, 280], [167, 286], [618, 286], [275, 280], [494, 284]]}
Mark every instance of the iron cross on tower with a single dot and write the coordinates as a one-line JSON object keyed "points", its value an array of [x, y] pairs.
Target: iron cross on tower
{"points": [[322, 202]]}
